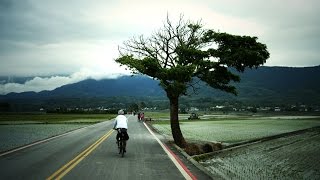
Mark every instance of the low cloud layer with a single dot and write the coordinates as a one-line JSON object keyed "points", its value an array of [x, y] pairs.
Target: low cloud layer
{"points": [[38, 84]]}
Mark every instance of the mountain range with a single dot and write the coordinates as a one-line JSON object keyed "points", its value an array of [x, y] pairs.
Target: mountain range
{"points": [[268, 85]]}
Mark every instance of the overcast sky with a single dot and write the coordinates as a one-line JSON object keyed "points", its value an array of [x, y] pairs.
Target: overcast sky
{"points": [[68, 41]]}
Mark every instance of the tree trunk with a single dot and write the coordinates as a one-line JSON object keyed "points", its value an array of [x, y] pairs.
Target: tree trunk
{"points": [[175, 126]]}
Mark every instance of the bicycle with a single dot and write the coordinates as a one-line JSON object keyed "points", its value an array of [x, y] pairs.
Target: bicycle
{"points": [[122, 142]]}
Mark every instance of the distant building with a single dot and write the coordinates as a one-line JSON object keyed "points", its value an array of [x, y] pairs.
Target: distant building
{"points": [[194, 109], [277, 109]]}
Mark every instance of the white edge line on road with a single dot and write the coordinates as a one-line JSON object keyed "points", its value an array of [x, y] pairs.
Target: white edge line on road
{"points": [[181, 169]]}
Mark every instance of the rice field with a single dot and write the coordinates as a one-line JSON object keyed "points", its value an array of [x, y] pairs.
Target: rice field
{"points": [[290, 157], [293, 157], [21, 129], [236, 130], [12, 136], [53, 118]]}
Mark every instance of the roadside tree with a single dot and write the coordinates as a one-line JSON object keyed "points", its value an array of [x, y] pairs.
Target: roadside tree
{"points": [[181, 52]]}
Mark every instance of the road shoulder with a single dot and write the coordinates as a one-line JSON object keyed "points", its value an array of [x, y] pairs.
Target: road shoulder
{"points": [[193, 166]]}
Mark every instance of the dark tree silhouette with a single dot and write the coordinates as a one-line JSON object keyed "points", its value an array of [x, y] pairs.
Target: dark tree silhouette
{"points": [[176, 54]]}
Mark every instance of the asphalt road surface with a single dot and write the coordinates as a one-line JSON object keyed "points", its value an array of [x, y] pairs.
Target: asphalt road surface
{"points": [[91, 153]]}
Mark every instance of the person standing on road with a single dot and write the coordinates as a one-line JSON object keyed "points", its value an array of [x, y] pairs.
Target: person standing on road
{"points": [[139, 116], [121, 125]]}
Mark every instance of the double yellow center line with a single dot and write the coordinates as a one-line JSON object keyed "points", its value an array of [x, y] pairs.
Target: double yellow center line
{"points": [[70, 165]]}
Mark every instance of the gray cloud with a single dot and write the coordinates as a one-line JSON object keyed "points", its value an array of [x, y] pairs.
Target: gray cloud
{"points": [[46, 38], [45, 22], [291, 29], [38, 84]]}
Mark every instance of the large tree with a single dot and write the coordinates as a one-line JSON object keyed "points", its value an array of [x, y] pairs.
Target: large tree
{"points": [[180, 52]]}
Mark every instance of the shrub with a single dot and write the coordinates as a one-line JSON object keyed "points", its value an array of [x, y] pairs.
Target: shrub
{"points": [[216, 146], [200, 148], [193, 149], [207, 148]]}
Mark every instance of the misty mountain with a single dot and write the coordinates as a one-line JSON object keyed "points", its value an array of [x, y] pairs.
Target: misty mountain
{"points": [[279, 84], [263, 85], [123, 86]]}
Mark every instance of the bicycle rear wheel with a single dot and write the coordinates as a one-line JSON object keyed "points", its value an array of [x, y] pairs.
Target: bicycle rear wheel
{"points": [[122, 148], [123, 151]]}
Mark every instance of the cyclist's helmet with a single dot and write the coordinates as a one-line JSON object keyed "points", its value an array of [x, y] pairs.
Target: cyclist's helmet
{"points": [[121, 112]]}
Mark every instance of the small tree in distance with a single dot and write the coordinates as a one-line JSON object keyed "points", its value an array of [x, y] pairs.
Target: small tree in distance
{"points": [[176, 54]]}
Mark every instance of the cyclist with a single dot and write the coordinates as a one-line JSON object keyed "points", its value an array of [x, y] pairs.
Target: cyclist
{"points": [[121, 125]]}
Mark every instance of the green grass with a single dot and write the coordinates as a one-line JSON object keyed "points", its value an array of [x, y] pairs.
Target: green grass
{"points": [[162, 115], [54, 118], [157, 115]]}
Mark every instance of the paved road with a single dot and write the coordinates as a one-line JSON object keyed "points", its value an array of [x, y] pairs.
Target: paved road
{"points": [[91, 153]]}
